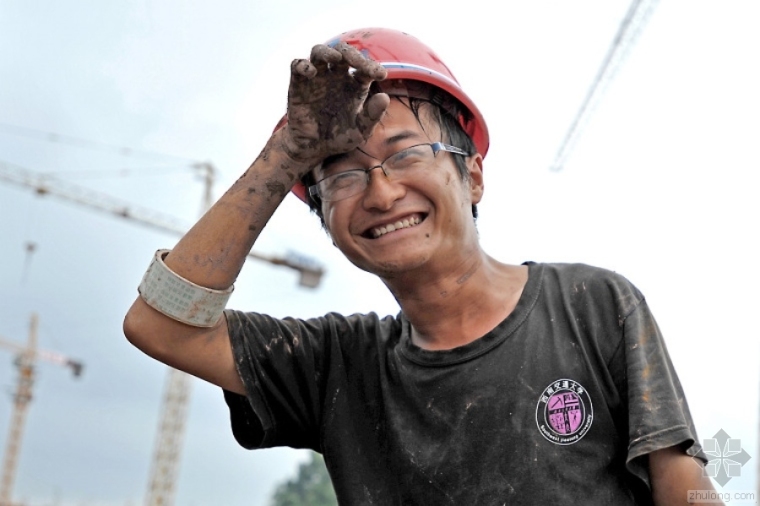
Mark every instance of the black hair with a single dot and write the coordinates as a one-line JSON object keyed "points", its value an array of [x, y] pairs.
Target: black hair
{"points": [[445, 110]]}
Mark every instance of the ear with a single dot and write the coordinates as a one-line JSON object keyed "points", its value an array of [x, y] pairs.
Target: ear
{"points": [[475, 171]]}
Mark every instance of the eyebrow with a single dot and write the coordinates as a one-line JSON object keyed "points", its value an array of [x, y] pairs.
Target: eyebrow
{"points": [[401, 136], [330, 160]]}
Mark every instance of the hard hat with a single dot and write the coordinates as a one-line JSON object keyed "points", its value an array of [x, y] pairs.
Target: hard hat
{"points": [[406, 58]]}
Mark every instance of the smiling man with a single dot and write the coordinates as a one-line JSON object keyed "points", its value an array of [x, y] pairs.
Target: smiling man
{"points": [[495, 384]]}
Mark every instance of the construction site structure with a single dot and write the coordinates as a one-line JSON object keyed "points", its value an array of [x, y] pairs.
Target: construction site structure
{"points": [[310, 273], [630, 28], [162, 480], [26, 357], [171, 426]]}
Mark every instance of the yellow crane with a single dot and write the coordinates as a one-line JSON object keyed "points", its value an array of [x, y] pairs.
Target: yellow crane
{"points": [[26, 357]]}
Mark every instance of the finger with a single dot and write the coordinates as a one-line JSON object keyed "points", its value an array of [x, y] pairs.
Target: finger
{"points": [[376, 105], [366, 70], [343, 49], [369, 72], [322, 56], [372, 112], [302, 68]]}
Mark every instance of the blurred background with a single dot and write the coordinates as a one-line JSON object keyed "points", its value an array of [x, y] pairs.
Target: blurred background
{"points": [[125, 104]]}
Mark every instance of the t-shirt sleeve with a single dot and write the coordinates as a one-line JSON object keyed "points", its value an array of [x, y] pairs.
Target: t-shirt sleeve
{"points": [[658, 415], [281, 364], [292, 370]]}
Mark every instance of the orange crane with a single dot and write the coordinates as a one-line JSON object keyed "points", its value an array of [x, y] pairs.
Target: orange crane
{"points": [[25, 359]]}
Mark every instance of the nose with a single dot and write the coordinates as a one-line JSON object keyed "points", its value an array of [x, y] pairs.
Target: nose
{"points": [[381, 191]]}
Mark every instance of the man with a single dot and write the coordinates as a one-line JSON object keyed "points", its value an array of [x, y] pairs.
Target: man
{"points": [[496, 384]]}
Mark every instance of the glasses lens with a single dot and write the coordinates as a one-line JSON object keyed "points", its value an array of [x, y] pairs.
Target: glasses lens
{"points": [[342, 185], [415, 157]]}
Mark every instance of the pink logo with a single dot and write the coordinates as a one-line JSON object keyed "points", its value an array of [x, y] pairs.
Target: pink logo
{"points": [[564, 412]]}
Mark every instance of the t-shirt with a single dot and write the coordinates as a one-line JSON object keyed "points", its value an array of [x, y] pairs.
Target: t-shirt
{"points": [[560, 403]]}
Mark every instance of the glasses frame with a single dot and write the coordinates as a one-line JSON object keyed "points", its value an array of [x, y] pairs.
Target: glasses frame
{"points": [[437, 147]]}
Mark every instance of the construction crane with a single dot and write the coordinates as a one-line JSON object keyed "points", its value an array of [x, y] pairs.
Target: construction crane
{"points": [[171, 427], [25, 359], [635, 18], [173, 413], [310, 273]]}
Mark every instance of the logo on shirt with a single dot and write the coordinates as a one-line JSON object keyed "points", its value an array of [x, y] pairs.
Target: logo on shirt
{"points": [[564, 413]]}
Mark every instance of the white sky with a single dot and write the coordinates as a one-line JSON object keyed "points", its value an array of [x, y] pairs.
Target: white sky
{"points": [[662, 187]]}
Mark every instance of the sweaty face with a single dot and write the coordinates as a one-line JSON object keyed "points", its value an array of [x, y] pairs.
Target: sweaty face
{"points": [[422, 220]]}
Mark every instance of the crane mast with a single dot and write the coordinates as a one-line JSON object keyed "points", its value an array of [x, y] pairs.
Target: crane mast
{"points": [[25, 360], [21, 399], [168, 445], [171, 427]]}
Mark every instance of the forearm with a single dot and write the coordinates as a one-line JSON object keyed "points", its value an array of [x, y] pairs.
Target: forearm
{"points": [[212, 253], [673, 474]]}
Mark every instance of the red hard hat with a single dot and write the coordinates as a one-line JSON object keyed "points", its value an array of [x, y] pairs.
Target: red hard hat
{"points": [[406, 58]]}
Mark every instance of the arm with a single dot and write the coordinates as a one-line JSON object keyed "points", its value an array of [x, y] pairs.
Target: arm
{"points": [[212, 253], [672, 474]]}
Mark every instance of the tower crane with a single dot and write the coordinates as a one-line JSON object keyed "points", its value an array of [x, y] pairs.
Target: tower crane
{"points": [[310, 273], [171, 426], [26, 357], [173, 413], [633, 22]]}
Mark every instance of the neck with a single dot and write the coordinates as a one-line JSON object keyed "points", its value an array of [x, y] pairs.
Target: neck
{"points": [[461, 305]]}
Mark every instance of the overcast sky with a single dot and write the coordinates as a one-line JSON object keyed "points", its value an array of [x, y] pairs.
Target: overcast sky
{"points": [[662, 187]]}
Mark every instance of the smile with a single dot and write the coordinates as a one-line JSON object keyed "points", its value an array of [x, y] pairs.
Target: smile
{"points": [[408, 222]]}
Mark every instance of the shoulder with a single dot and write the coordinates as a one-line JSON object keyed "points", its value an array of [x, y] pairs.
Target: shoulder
{"points": [[358, 328], [581, 271], [582, 284], [350, 328]]}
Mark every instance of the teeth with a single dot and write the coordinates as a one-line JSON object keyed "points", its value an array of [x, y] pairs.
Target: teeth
{"points": [[406, 223]]}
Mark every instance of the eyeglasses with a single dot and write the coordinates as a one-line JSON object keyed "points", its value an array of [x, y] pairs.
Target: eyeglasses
{"points": [[402, 164]]}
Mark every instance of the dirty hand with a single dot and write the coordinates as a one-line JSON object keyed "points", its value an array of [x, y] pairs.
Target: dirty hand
{"points": [[328, 109]]}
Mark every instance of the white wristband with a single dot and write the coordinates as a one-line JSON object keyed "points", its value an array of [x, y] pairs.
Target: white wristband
{"points": [[180, 299]]}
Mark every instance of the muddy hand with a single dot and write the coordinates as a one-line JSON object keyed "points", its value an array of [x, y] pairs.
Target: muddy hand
{"points": [[328, 109]]}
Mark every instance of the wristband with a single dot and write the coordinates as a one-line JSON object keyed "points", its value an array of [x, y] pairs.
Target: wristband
{"points": [[169, 293]]}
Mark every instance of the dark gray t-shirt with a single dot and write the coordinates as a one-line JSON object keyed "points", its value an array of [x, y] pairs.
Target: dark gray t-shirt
{"points": [[560, 403]]}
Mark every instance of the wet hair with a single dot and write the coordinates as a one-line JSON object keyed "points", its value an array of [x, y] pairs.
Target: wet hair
{"points": [[444, 110]]}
